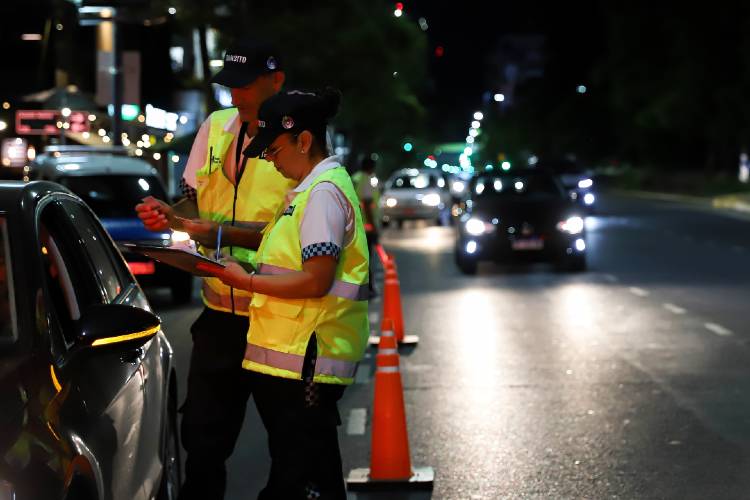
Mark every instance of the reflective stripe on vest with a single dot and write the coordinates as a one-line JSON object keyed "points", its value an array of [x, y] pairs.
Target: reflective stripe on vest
{"points": [[293, 362], [339, 288], [224, 302]]}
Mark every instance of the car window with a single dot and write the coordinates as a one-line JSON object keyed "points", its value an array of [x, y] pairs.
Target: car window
{"points": [[106, 263], [515, 186], [70, 285], [418, 181], [8, 328], [114, 195]]}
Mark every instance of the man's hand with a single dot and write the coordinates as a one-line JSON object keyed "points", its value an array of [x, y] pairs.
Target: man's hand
{"points": [[202, 231], [155, 214]]}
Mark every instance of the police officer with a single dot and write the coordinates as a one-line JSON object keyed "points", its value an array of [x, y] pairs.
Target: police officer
{"points": [[224, 188], [309, 323], [366, 185]]}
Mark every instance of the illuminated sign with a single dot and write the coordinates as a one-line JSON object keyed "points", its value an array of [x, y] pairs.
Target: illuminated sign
{"points": [[50, 122], [159, 118]]}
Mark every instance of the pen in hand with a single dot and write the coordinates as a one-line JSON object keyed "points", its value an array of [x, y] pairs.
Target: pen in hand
{"points": [[218, 243]]}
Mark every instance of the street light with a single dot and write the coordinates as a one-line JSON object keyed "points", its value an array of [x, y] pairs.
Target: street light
{"points": [[478, 115], [499, 97]]}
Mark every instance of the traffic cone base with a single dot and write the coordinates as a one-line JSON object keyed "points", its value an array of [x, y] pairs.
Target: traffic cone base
{"points": [[422, 478]]}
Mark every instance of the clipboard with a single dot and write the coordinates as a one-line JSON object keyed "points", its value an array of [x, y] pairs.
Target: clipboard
{"points": [[180, 258]]}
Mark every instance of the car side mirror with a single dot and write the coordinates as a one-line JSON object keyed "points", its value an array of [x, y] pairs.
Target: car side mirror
{"points": [[108, 324]]}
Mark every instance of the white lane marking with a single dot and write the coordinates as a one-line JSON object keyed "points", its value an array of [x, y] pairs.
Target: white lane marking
{"points": [[638, 291], [363, 374], [611, 278], [718, 329], [357, 420], [673, 308]]}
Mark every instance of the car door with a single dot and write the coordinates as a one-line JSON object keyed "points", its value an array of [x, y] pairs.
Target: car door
{"points": [[122, 428]]}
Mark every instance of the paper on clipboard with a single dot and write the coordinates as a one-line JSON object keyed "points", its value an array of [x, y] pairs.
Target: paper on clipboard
{"points": [[179, 257]]}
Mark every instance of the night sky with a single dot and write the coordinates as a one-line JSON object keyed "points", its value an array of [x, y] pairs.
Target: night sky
{"points": [[469, 29]]}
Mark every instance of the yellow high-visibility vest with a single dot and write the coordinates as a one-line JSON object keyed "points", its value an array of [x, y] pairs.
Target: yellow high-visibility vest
{"points": [[358, 178], [252, 203], [280, 329]]}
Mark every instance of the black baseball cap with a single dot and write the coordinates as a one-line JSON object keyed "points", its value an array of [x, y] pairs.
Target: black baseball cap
{"points": [[292, 112], [245, 61]]}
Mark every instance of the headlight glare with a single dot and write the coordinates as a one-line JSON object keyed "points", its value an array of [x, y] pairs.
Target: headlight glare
{"points": [[475, 226], [391, 202], [572, 225], [431, 200]]}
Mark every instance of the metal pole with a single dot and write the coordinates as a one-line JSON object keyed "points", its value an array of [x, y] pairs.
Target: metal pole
{"points": [[116, 83]]}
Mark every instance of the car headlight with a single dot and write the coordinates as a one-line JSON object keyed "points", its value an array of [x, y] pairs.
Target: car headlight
{"points": [[459, 186], [572, 225], [589, 199], [431, 200], [391, 202], [475, 226], [585, 183], [180, 236]]}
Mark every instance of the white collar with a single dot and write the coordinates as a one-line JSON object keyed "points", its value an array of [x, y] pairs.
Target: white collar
{"points": [[324, 166]]}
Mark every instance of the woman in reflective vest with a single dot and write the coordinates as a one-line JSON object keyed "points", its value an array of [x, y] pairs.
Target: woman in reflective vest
{"points": [[308, 316]]}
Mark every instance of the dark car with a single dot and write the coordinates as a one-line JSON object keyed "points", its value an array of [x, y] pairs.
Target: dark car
{"points": [[112, 183], [577, 181], [520, 215], [87, 382]]}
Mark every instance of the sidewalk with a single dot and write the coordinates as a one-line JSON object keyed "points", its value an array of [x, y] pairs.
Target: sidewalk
{"points": [[737, 205]]}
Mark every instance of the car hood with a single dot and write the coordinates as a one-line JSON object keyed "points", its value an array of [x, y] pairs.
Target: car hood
{"points": [[130, 229]]}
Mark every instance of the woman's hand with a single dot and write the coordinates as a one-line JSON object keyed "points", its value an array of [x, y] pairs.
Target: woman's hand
{"points": [[232, 275], [202, 231]]}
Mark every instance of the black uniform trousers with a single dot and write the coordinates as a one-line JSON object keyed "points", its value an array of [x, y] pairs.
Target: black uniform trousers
{"points": [[217, 393], [301, 418]]}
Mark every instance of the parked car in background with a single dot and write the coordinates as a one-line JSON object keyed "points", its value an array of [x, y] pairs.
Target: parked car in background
{"points": [[112, 183], [415, 194], [523, 215], [87, 381]]}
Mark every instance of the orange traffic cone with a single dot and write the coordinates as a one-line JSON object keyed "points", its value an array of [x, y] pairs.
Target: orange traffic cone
{"points": [[390, 465], [392, 308], [383, 255]]}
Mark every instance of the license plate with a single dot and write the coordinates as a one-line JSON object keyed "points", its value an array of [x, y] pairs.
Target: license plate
{"points": [[409, 211], [528, 244], [142, 267]]}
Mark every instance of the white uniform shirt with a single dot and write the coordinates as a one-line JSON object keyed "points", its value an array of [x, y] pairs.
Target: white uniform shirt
{"points": [[328, 223]]}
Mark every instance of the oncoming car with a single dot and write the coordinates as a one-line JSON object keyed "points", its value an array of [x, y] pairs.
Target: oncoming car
{"points": [[415, 194], [87, 381], [520, 215], [112, 184]]}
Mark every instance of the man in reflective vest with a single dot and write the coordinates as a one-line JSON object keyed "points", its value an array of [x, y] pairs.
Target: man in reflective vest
{"points": [[228, 196]]}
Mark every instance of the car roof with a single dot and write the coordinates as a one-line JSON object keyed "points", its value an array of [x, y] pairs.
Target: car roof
{"points": [[85, 163]]}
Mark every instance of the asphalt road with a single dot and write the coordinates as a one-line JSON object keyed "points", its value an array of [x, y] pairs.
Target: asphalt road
{"points": [[627, 381]]}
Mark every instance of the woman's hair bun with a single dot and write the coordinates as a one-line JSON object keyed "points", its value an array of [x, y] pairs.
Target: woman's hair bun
{"points": [[330, 101]]}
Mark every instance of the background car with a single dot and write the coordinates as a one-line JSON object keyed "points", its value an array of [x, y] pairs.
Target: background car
{"points": [[414, 194], [577, 181], [112, 183], [87, 382], [520, 215]]}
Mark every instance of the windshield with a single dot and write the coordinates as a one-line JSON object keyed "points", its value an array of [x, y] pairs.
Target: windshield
{"points": [[7, 309], [516, 186], [417, 181], [114, 195]]}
